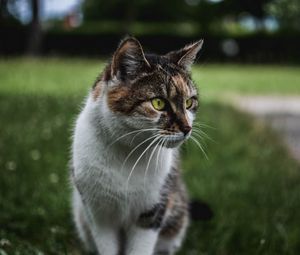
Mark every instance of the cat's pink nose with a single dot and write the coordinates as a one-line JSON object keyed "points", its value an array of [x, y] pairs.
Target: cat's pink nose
{"points": [[186, 129]]}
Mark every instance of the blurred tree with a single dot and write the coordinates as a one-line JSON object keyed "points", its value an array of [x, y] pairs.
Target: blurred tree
{"points": [[35, 31], [3, 10], [204, 13], [150, 10], [10, 11], [287, 12], [6, 17], [255, 8], [237, 9], [135, 10]]}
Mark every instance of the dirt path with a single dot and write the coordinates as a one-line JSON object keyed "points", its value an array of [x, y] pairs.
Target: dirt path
{"points": [[281, 113]]}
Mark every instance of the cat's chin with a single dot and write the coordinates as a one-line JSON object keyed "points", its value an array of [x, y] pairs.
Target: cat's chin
{"points": [[173, 143]]}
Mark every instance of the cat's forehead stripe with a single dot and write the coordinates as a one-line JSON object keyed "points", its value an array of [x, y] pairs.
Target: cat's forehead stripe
{"points": [[181, 86]]}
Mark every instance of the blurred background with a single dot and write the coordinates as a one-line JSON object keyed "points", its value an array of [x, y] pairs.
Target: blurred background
{"points": [[252, 31], [248, 74]]}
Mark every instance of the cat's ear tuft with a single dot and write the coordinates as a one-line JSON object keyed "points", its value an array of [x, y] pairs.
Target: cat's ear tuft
{"points": [[128, 59], [186, 56]]}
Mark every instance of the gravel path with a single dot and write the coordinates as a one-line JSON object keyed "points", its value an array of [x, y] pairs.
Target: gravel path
{"points": [[281, 113]]}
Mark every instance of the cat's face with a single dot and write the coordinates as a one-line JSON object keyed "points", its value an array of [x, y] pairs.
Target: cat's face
{"points": [[151, 93]]}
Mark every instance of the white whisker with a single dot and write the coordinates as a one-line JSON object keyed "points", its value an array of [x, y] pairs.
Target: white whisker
{"points": [[158, 154], [198, 124], [199, 145], [151, 155], [133, 132], [198, 135], [202, 134], [139, 158], [135, 148], [153, 129]]}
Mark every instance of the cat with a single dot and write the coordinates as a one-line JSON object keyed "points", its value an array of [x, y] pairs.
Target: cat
{"points": [[128, 194]]}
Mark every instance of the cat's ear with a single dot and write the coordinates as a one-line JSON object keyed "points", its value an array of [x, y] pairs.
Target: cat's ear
{"points": [[129, 59], [186, 56]]}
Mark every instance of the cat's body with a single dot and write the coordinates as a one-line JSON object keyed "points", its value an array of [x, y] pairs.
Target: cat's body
{"points": [[128, 193]]}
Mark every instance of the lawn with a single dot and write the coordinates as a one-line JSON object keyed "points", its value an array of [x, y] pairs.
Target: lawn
{"points": [[61, 77], [249, 180]]}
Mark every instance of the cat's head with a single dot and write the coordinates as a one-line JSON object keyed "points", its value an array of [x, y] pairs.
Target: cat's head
{"points": [[139, 91]]}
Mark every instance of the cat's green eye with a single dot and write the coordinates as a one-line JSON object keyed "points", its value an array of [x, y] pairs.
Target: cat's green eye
{"points": [[188, 103], [158, 104]]}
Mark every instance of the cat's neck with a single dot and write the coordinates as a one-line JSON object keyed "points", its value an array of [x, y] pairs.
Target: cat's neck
{"points": [[123, 155]]}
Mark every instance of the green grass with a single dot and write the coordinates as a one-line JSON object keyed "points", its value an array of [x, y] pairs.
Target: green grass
{"points": [[249, 179], [48, 76], [61, 77], [250, 182], [219, 81]]}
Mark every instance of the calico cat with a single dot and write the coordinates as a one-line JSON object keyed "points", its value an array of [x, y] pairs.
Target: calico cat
{"points": [[128, 196]]}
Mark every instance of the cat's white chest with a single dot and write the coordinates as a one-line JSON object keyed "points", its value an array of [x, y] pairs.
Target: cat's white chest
{"points": [[133, 190], [115, 188]]}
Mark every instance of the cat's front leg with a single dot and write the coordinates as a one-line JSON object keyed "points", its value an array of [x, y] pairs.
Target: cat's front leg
{"points": [[141, 241], [102, 234], [106, 239], [100, 223], [142, 236]]}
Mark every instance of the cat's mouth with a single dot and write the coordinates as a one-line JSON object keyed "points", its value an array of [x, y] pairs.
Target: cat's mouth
{"points": [[174, 140]]}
